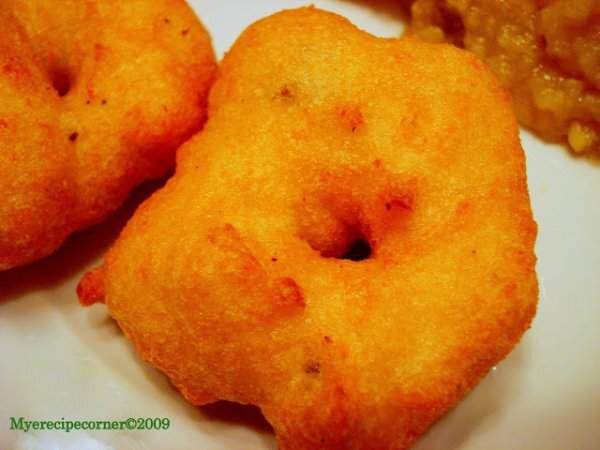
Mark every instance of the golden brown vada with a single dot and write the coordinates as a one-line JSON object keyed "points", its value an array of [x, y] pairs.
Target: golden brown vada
{"points": [[547, 53], [95, 97], [347, 245]]}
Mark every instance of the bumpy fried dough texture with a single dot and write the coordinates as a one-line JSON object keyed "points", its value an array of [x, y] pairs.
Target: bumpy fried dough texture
{"points": [[547, 53], [232, 278], [95, 96]]}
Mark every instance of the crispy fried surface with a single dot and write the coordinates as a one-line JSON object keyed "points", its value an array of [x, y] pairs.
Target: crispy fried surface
{"points": [[95, 97], [237, 281]]}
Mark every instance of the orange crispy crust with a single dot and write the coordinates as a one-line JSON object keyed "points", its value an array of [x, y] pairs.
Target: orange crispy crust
{"points": [[96, 97], [91, 288], [241, 279]]}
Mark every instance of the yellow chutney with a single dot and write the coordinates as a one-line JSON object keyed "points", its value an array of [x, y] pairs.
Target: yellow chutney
{"points": [[546, 52]]}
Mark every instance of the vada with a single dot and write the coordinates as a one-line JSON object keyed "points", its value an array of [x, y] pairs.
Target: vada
{"points": [[347, 245], [96, 96]]}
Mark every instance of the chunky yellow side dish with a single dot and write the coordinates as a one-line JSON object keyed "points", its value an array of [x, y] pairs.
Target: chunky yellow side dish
{"points": [[547, 52]]}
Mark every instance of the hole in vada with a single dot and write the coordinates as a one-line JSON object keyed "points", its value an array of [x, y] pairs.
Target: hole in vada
{"points": [[61, 81], [335, 228], [359, 250], [350, 245]]}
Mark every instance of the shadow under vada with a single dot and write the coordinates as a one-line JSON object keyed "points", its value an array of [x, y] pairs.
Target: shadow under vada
{"points": [[76, 254]]}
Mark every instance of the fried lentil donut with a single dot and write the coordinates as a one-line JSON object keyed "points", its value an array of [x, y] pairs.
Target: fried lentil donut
{"points": [[546, 52], [347, 245], [95, 97]]}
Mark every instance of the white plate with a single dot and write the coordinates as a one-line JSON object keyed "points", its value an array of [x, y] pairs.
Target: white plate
{"points": [[58, 360]]}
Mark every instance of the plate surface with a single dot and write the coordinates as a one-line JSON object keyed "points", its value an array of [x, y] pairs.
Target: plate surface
{"points": [[58, 360]]}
